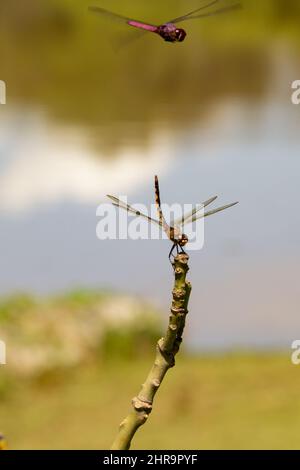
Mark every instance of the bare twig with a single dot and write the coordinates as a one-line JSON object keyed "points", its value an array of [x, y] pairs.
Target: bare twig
{"points": [[167, 348]]}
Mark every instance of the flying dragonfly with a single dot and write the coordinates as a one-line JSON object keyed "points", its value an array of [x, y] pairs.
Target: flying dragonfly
{"points": [[174, 231], [169, 30]]}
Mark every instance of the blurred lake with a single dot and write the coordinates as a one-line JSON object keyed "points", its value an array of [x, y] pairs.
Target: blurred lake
{"points": [[210, 116]]}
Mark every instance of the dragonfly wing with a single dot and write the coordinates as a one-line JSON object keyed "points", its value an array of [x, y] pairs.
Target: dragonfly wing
{"points": [[237, 6], [109, 14], [121, 18], [186, 217], [183, 17], [212, 212], [121, 204], [128, 39]]}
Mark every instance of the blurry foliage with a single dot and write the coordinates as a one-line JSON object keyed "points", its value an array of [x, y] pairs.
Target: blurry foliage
{"points": [[131, 341], [6, 385], [235, 401], [46, 338], [14, 306], [81, 298], [58, 56]]}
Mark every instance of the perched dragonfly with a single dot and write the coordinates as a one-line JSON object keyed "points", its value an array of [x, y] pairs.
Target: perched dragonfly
{"points": [[174, 231], [169, 31]]}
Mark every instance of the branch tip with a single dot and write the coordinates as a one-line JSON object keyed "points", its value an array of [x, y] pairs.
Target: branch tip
{"points": [[166, 350]]}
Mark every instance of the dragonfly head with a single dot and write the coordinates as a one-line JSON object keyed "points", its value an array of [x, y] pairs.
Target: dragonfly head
{"points": [[180, 34], [183, 239]]}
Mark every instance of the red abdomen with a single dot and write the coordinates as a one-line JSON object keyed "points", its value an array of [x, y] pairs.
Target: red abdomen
{"points": [[146, 27]]}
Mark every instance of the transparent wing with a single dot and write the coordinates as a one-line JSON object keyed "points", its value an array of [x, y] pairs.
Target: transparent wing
{"points": [[237, 6], [214, 211], [118, 203], [183, 17], [189, 215], [109, 14], [114, 16], [130, 38]]}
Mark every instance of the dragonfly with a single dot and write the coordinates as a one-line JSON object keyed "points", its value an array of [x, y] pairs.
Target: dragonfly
{"points": [[174, 230], [169, 31]]}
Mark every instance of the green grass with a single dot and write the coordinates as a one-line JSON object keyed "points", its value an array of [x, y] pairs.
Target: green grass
{"points": [[232, 402]]}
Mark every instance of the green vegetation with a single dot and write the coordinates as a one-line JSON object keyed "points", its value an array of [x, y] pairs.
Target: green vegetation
{"points": [[236, 401], [75, 362], [44, 336]]}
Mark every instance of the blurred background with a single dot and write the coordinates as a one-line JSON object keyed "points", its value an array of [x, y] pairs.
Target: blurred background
{"points": [[90, 111]]}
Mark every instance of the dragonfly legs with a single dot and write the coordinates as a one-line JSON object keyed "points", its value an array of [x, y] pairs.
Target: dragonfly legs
{"points": [[179, 249], [175, 245]]}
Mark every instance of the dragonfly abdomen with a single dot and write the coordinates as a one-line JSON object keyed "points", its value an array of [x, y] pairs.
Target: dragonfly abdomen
{"points": [[146, 27]]}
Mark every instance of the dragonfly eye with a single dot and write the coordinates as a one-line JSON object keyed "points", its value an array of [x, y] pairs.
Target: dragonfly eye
{"points": [[180, 35]]}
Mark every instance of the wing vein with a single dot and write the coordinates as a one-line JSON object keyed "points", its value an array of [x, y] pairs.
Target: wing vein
{"points": [[121, 204], [181, 18]]}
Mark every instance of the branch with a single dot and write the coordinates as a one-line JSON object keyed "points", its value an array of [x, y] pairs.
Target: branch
{"points": [[166, 350]]}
